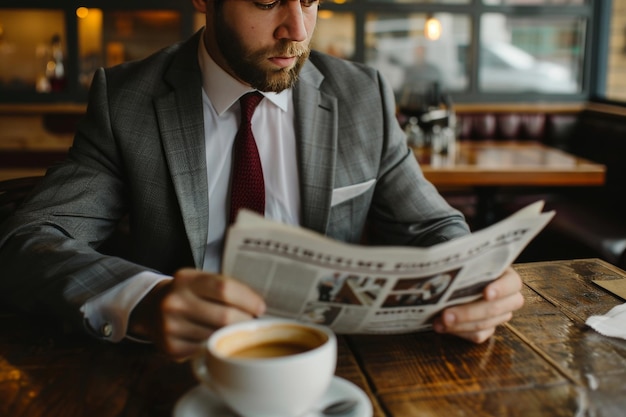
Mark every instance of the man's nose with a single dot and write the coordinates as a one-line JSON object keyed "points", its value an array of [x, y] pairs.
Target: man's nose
{"points": [[292, 26]]}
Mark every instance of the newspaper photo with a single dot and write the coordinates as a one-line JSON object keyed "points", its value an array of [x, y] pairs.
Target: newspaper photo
{"points": [[371, 289]]}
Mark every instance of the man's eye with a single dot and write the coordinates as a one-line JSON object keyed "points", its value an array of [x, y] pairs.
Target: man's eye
{"points": [[266, 6], [270, 5]]}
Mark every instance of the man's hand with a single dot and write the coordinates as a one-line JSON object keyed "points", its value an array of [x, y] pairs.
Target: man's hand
{"points": [[477, 321], [178, 315]]}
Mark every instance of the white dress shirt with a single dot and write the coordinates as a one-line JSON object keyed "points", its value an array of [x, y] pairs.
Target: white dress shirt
{"points": [[273, 129]]}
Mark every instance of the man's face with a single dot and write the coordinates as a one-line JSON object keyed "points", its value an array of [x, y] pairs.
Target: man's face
{"points": [[262, 43]]}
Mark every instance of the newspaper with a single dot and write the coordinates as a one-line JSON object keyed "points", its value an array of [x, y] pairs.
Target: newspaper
{"points": [[371, 289]]}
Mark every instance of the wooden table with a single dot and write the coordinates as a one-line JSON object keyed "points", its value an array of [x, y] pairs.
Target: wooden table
{"points": [[488, 165], [13, 173], [545, 362], [508, 163]]}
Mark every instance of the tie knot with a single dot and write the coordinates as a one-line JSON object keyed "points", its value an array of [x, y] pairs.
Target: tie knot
{"points": [[248, 102]]}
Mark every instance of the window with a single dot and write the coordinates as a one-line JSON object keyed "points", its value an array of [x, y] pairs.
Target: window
{"points": [[480, 50], [33, 44], [335, 34], [476, 50], [531, 54], [110, 37], [398, 46]]}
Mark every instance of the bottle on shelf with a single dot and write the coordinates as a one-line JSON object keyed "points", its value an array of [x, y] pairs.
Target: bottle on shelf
{"points": [[55, 68]]}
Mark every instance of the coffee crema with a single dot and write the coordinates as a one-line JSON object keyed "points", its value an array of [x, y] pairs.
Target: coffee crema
{"points": [[270, 350], [270, 342]]}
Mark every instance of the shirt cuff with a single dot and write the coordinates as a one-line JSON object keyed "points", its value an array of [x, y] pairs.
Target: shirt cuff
{"points": [[106, 315]]}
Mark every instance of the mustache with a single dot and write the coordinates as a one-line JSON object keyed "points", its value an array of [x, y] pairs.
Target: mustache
{"points": [[289, 49]]}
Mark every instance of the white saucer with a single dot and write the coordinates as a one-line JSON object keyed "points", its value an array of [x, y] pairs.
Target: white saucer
{"points": [[201, 402]]}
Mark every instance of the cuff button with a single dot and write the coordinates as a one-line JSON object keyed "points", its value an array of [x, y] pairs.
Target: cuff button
{"points": [[106, 330]]}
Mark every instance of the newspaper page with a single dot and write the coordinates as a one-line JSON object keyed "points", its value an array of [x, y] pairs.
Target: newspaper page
{"points": [[371, 289]]}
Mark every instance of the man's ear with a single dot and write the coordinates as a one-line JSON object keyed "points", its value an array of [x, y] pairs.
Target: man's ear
{"points": [[200, 5]]}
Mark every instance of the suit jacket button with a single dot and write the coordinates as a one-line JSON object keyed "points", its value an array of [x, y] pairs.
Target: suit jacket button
{"points": [[106, 330]]}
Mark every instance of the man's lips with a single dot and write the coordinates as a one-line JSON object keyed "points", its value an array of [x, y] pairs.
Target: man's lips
{"points": [[283, 61]]}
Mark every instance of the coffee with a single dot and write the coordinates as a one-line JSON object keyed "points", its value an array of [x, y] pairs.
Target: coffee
{"points": [[269, 350], [270, 342]]}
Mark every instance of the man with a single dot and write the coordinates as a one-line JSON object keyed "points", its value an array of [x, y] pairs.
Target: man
{"points": [[156, 144]]}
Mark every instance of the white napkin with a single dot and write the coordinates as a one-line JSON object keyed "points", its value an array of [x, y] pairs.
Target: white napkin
{"points": [[611, 324]]}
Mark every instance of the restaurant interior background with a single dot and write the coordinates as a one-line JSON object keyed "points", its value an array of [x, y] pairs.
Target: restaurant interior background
{"points": [[552, 71]]}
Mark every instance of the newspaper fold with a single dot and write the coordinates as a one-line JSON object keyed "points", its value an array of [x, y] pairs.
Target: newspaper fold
{"points": [[364, 289]]}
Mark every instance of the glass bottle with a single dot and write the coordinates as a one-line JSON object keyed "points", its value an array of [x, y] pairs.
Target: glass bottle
{"points": [[55, 69]]}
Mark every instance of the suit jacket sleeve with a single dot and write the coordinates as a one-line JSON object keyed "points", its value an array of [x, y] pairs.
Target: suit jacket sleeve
{"points": [[406, 208], [48, 250], [116, 168]]}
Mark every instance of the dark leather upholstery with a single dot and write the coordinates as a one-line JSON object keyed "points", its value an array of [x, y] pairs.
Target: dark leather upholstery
{"points": [[596, 225]]}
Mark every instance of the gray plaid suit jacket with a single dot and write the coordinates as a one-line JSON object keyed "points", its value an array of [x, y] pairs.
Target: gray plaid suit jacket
{"points": [[140, 152]]}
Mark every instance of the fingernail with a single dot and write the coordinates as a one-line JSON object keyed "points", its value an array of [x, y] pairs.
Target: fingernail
{"points": [[491, 294], [449, 318], [261, 310]]}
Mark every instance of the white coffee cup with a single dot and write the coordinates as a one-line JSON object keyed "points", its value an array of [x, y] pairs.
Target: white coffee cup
{"points": [[269, 367]]}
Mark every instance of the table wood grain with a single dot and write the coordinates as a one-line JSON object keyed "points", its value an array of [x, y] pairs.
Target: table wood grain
{"points": [[508, 163], [45, 372], [544, 362]]}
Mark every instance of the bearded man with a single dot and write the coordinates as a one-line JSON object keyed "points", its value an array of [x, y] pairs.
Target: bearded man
{"points": [[156, 147]]}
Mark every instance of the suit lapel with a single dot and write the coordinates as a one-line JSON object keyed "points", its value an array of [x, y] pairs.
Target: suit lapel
{"points": [[316, 136], [181, 124]]}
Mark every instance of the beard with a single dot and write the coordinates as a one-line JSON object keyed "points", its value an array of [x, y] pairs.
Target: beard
{"points": [[252, 66]]}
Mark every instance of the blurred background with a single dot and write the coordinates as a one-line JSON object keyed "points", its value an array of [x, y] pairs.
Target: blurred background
{"points": [[478, 50]]}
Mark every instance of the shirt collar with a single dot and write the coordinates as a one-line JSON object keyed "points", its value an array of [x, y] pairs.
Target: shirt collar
{"points": [[223, 90]]}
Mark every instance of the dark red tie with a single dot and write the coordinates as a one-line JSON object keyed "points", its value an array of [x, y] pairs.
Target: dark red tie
{"points": [[247, 187]]}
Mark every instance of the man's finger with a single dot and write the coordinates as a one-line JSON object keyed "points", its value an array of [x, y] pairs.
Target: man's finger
{"points": [[508, 283], [226, 291]]}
